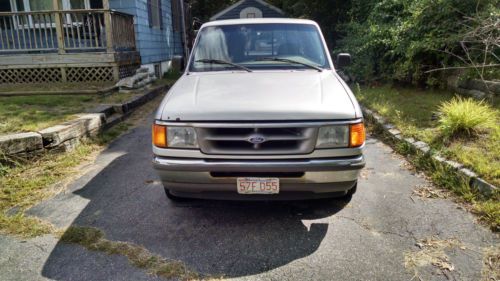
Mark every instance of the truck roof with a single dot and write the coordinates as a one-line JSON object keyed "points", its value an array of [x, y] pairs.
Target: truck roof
{"points": [[259, 21]]}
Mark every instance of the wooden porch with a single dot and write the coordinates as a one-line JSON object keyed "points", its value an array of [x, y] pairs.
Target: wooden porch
{"points": [[66, 46]]}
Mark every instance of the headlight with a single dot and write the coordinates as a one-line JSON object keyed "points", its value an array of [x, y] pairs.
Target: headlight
{"points": [[181, 137], [174, 137], [333, 137]]}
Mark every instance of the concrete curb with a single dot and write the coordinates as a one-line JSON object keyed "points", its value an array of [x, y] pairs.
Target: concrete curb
{"points": [[390, 131], [64, 137]]}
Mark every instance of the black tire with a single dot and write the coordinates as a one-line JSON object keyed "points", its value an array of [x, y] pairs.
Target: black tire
{"points": [[173, 197], [352, 190]]}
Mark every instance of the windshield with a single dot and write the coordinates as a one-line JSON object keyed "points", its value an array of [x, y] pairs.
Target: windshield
{"points": [[253, 45]]}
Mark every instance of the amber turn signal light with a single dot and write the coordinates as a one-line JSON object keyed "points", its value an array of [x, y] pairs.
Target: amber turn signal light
{"points": [[159, 135], [357, 135]]}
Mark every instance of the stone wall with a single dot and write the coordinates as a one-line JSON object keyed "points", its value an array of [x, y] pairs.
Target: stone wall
{"points": [[474, 88], [66, 136]]}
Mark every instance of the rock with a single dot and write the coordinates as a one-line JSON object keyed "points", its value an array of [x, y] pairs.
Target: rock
{"points": [[483, 186], [410, 140], [439, 158], [422, 146], [378, 118], [388, 126], [140, 79], [453, 164], [142, 70], [20, 143], [394, 132], [468, 173], [483, 86]]}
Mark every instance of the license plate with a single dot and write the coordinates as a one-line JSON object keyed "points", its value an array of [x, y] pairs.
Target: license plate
{"points": [[258, 185]]}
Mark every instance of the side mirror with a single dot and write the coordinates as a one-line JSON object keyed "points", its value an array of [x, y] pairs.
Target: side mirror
{"points": [[343, 60]]}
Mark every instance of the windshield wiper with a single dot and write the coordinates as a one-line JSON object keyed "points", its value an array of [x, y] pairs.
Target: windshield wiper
{"points": [[291, 61], [224, 62]]}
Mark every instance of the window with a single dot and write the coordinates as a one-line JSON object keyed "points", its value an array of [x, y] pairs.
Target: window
{"points": [[248, 44], [43, 5], [155, 13], [40, 5]]}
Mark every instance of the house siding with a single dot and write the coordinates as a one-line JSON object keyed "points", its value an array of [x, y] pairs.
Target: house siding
{"points": [[154, 44], [235, 12]]}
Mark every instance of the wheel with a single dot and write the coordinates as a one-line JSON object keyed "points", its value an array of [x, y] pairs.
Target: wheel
{"points": [[353, 190], [173, 197]]}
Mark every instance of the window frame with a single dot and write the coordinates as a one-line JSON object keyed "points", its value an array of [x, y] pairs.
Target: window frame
{"points": [[155, 8], [66, 6]]}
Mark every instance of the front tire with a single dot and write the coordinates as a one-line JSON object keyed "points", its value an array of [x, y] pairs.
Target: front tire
{"points": [[172, 197]]}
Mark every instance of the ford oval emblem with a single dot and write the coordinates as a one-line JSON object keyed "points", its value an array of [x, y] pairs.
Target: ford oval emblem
{"points": [[256, 139]]}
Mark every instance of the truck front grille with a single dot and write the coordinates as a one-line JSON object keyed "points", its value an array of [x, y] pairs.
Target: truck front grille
{"points": [[257, 141]]}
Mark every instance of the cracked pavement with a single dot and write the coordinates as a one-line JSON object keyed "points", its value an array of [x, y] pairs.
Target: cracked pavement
{"points": [[365, 238]]}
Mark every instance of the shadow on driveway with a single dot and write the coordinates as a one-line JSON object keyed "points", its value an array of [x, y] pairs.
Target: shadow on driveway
{"points": [[126, 201]]}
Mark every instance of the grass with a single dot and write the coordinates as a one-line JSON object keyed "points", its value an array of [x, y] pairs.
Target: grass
{"points": [[25, 184], [93, 239], [466, 117], [412, 111], [56, 87], [486, 208], [32, 113]]}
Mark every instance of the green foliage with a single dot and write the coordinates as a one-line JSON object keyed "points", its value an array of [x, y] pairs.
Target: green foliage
{"points": [[402, 39], [395, 40], [413, 112], [462, 116]]}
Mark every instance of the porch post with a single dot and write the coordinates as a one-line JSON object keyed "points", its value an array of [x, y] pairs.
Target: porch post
{"points": [[59, 28], [108, 24]]}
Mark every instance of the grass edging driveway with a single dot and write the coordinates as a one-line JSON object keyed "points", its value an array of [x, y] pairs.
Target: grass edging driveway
{"points": [[483, 196], [30, 182]]}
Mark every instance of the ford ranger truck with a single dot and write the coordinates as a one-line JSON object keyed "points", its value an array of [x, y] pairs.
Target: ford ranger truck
{"points": [[259, 113]]}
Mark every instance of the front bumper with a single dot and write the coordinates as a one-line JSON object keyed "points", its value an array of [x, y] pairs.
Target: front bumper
{"points": [[312, 178]]}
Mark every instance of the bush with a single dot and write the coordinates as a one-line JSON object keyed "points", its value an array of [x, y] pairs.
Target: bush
{"points": [[401, 40], [467, 117]]}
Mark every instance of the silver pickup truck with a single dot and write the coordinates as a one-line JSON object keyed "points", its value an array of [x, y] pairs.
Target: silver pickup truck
{"points": [[260, 113]]}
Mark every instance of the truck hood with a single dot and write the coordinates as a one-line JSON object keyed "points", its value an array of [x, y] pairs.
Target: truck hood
{"points": [[258, 96]]}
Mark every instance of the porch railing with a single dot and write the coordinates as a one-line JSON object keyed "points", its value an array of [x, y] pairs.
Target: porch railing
{"points": [[66, 31]]}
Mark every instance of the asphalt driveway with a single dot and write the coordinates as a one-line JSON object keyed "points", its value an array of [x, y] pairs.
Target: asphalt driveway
{"points": [[385, 232]]}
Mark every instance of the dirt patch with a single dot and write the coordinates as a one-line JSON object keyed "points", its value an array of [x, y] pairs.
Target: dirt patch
{"points": [[429, 192], [432, 253], [491, 264]]}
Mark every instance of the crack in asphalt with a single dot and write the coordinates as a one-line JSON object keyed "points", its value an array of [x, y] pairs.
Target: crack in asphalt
{"points": [[371, 229]]}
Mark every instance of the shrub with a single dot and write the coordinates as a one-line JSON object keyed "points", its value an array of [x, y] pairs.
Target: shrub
{"points": [[401, 40], [467, 117]]}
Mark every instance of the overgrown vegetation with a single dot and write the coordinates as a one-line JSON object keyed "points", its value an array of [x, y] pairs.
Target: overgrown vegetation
{"points": [[467, 117], [400, 40], [416, 113], [93, 239], [486, 208], [28, 182]]}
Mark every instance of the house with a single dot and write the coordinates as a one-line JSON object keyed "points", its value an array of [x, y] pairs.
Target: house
{"points": [[50, 41], [249, 9]]}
